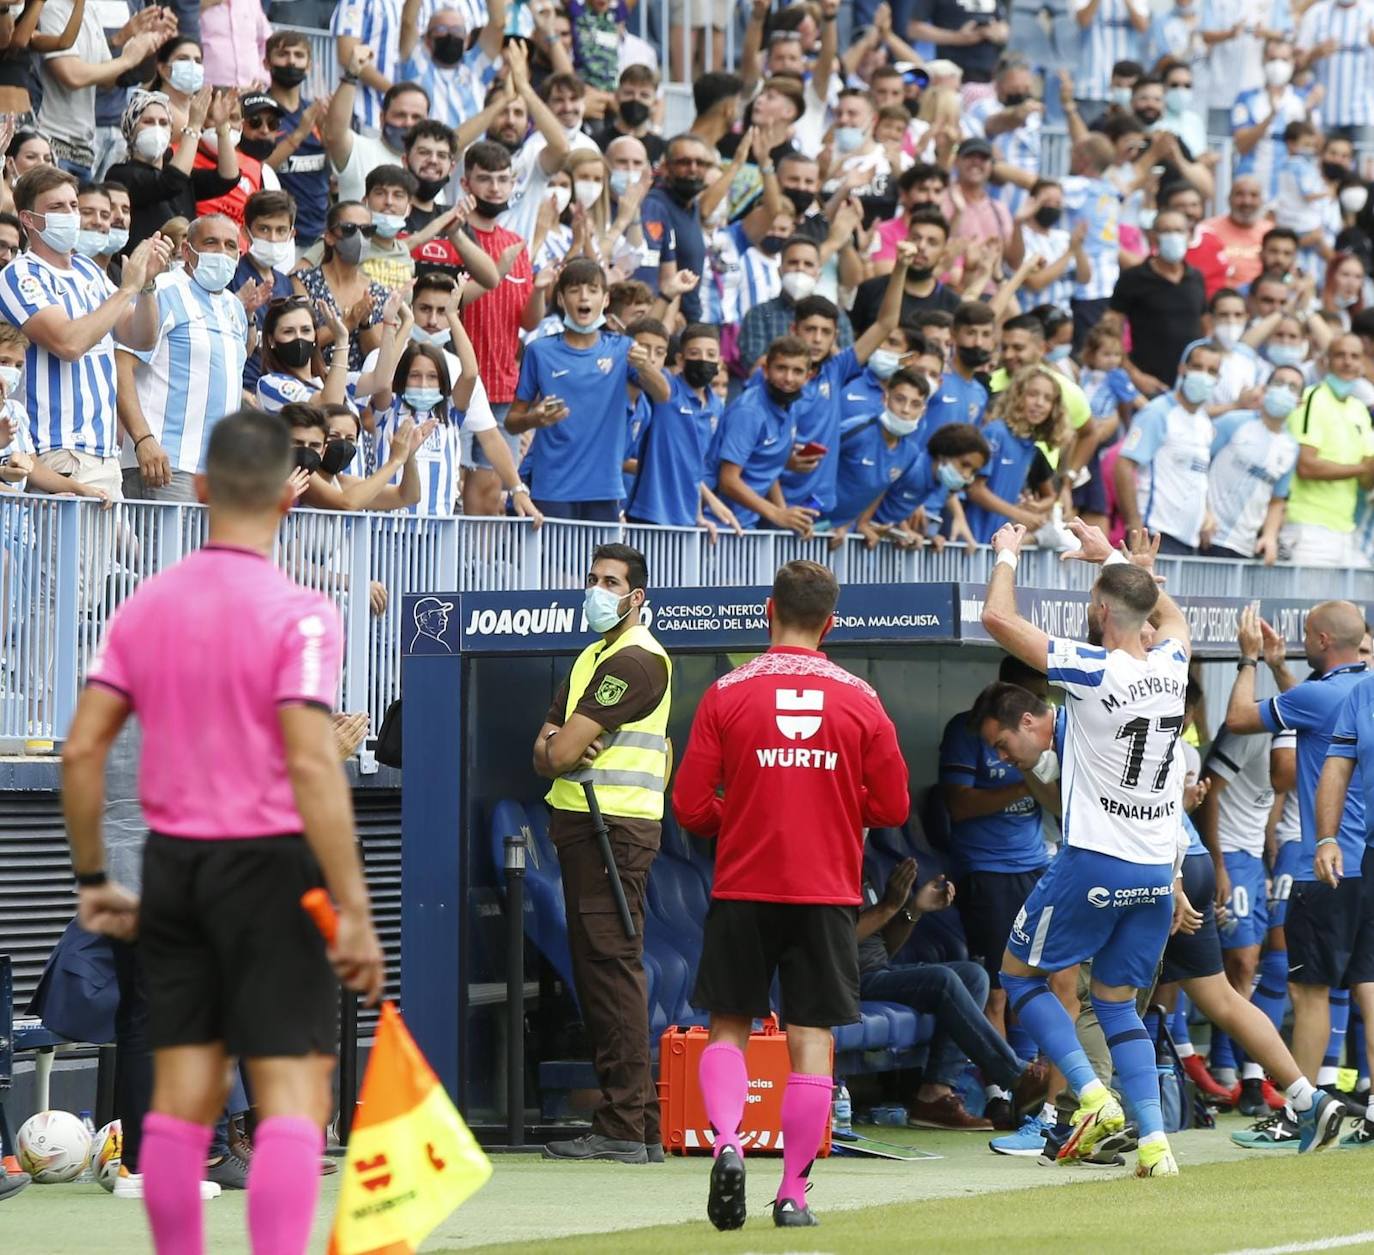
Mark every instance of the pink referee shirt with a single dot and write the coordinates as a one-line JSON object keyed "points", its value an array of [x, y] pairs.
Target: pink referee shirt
{"points": [[205, 653]]}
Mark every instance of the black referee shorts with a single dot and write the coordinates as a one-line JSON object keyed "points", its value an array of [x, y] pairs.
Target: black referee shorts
{"points": [[1190, 955], [228, 955], [814, 950]]}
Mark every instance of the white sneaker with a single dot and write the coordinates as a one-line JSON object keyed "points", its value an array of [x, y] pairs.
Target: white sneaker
{"points": [[130, 1185]]}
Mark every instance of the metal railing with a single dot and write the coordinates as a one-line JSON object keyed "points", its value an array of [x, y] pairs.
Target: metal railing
{"points": [[66, 565]]}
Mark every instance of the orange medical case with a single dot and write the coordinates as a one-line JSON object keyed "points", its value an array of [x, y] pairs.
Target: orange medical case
{"points": [[682, 1114]]}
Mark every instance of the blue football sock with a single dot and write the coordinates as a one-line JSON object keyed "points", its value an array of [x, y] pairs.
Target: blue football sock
{"points": [[1340, 1019], [1178, 1021], [1021, 1042], [1271, 993], [1043, 1016], [1222, 1055], [1355, 1033], [1133, 1053]]}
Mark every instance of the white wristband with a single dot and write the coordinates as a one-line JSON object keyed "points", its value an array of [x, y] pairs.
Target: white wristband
{"points": [[1115, 558], [1007, 558]]}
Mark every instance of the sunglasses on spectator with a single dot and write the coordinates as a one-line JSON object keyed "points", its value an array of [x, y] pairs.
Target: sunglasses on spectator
{"points": [[347, 230], [287, 303], [265, 121]]}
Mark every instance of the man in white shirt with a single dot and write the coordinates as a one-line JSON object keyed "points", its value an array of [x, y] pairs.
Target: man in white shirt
{"points": [[352, 157]]}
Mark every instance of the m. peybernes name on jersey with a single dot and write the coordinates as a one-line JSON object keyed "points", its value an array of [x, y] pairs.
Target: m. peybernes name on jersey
{"points": [[1145, 687]]}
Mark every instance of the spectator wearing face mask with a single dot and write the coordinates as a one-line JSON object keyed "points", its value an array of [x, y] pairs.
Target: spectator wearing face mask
{"points": [[673, 235], [300, 162], [332, 433], [1066, 259], [340, 286], [259, 122], [454, 76], [162, 187], [863, 395], [1205, 253], [1343, 292], [268, 219], [1261, 114], [877, 449], [1354, 235], [1239, 380], [292, 366], [178, 73], [914, 504], [170, 396], [1165, 456], [766, 322], [436, 234], [352, 155], [1253, 458], [1163, 300], [858, 163], [632, 113]]}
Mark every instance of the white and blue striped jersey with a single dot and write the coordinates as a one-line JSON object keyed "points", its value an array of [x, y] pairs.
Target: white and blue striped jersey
{"points": [[1251, 464], [1051, 245], [377, 25], [1019, 147], [71, 405], [1241, 370], [1265, 158], [519, 16], [1233, 65], [277, 389], [1098, 203], [193, 375], [1171, 447], [1176, 34], [436, 461], [1108, 38], [456, 93], [1120, 778], [20, 442], [739, 276], [1348, 73], [555, 246]]}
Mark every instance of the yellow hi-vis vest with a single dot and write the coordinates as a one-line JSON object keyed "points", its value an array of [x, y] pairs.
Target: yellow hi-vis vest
{"points": [[631, 771]]}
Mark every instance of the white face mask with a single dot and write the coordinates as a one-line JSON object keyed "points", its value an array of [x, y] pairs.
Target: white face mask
{"points": [[274, 254], [210, 140], [151, 142], [561, 196], [1046, 768], [798, 284], [1278, 73], [1353, 199], [1228, 334], [587, 191]]}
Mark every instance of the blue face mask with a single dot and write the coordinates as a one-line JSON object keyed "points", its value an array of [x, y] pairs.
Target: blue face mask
{"points": [[116, 240], [1198, 386], [1285, 354], [422, 400], [214, 270], [602, 608], [1279, 400], [1341, 387], [188, 77], [438, 338], [1059, 353], [572, 325], [92, 243], [1178, 99], [620, 182], [389, 226], [848, 138], [884, 363], [1173, 245], [950, 476], [897, 425]]}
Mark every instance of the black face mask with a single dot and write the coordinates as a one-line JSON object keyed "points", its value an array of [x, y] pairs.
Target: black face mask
{"points": [[772, 245], [801, 200], [449, 49], [294, 353], [337, 455], [428, 189], [1048, 215], [288, 76], [1016, 98], [782, 396], [699, 374], [490, 208], [307, 459], [633, 113], [1333, 170], [971, 356], [258, 149], [684, 189]]}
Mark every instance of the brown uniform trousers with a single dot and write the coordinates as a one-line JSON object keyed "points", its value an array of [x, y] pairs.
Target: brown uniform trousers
{"points": [[608, 971]]}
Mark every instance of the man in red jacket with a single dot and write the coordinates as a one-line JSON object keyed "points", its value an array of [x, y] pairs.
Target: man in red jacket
{"points": [[808, 759]]}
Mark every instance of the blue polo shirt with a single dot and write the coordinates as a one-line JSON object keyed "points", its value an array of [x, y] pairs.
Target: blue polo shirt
{"points": [[1312, 709], [1353, 737], [862, 396], [958, 400], [918, 486], [869, 466], [636, 430], [281, 288], [757, 435], [1005, 473], [305, 174], [1010, 840], [817, 412], [580, 458], [674, 234], [672, 457]]}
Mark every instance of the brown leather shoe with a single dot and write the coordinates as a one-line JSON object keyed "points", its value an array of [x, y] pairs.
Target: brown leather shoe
{"points": [[948, 1113], [1032, 1088]]}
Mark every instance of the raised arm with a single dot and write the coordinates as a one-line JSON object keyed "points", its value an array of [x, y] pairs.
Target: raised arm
{"points": [[1001, 619]]}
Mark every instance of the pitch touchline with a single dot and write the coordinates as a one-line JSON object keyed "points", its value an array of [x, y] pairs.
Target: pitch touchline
{"points": [[1322, 1244]]}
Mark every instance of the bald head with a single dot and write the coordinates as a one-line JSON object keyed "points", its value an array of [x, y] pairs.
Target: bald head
{"points": [[1332, 637]]}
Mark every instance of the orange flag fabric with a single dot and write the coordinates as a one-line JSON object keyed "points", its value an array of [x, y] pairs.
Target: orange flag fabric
{"points": [[411, 1159]]}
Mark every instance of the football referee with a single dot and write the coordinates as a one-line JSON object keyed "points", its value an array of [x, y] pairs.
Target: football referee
{"points": [[808, 759], [232, 670], [608, 727]]}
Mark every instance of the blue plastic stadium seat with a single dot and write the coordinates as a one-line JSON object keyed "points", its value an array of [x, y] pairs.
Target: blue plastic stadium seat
{"points": [[546, 916], [904, 1024]]}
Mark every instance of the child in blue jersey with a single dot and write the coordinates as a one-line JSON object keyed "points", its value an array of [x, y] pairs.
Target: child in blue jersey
{"points": [[875, 452], [670, 487], [910, 510], [653, 336], [20, 469], [863, 395], [1028, 413], [1112, 398], [571, 394]]}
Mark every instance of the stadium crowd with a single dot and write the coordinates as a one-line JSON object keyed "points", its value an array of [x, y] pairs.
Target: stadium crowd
{"points": [[846, 298]]}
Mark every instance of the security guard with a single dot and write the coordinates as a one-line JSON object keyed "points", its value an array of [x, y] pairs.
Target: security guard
{"points": [[608, 725]]}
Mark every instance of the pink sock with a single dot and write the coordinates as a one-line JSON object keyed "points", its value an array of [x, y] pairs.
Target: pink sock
{"points": [[172, 1160], [283, 1184], [724, 1089], [805, 1110]]}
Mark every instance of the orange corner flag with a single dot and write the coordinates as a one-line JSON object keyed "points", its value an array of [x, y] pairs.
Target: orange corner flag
{"points": [[411, 1159]]}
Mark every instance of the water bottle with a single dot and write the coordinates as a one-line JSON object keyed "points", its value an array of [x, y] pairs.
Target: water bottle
{"points": [[841, 1121], [88, 1172]]}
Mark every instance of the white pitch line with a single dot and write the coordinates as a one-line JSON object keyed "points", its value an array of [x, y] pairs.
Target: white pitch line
{"points": [[1322, 1244]]}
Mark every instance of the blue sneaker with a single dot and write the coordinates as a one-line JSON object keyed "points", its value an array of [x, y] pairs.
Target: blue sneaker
{"points": [[1320, 1124], [1027, 1142]]}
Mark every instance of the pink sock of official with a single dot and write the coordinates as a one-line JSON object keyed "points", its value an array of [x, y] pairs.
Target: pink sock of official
{"points": [[283, 1184], [172, 1161], [725, 1090], [805, 1109]]}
